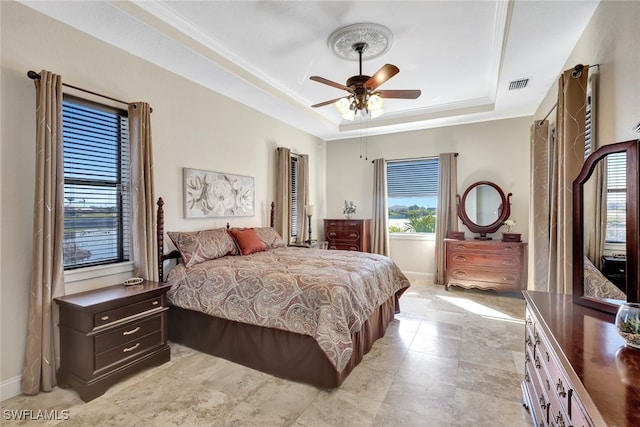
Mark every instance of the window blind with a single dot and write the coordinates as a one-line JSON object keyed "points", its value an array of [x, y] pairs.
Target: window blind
{"points": [[616, 197], [294, 196], [412, 178], [96, 184]]}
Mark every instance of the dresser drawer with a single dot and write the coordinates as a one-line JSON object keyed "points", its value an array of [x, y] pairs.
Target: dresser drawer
{"points": [[344, 235], [502, 277], [345, 246], [110, 316], [126, 333], [128, 349], [492, 247], [483, 259]]}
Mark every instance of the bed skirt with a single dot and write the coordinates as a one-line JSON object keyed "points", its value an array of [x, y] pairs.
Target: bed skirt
{"points": [[280, 353]]}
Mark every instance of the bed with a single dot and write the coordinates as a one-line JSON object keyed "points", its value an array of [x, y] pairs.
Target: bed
{"points": [[598, 286], [303, 314]]}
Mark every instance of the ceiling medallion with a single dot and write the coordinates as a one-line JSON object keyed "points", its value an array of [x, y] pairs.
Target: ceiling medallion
{"points": [[378, 40]]}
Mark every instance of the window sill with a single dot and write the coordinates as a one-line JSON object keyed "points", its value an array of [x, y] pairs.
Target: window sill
{"points": [[413, 236], [95, 272]]}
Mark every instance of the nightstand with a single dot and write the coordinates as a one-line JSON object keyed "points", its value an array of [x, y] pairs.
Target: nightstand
{"points": [[109, 333], [614, 269]]}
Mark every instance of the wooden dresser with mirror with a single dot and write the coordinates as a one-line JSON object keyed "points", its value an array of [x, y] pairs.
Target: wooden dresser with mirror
{"points": [[482, 262], [578, 371]]}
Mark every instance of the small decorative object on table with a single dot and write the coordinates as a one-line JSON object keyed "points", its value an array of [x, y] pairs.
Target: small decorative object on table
{"points": [[458, 235], [349, 209], [628, 323], [510, 237]]}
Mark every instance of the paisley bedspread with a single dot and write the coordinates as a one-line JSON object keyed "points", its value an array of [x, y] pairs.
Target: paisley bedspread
{"points": [[326, 294]]}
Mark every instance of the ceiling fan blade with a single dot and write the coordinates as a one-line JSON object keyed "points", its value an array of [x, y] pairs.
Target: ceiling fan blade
{"points": [[400, 94], [329, 82], [382, 75], [322, 104]]}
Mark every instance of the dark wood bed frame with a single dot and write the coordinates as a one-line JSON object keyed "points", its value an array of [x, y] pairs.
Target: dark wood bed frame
{"points": [[284, 354]]}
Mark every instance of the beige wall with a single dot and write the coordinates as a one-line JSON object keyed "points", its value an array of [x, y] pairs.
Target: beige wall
{"points": [[495, 151], [192, 127], [611, 39]]}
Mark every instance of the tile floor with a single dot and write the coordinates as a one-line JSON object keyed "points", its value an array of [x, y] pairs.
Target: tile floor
{"points": [[450, 359]]}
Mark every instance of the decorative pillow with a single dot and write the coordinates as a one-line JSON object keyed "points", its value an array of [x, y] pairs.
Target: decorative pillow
{"points": [[198, 246], [247, 240], [270, 237]]}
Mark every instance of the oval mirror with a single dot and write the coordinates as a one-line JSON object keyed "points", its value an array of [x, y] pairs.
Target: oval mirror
{"points": [[606, 235], [483, 208]]}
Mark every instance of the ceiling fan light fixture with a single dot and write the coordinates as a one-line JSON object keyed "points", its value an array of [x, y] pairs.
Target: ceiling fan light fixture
{"points": [[377, 113], [374, 103], [343, 105]]}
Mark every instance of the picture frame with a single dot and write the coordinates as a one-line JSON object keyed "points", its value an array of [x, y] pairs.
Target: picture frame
{"points": [[209, 194]]}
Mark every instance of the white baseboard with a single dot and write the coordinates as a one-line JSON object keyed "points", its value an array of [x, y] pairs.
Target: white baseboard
{"points": [[418, 275], [10, 388]]}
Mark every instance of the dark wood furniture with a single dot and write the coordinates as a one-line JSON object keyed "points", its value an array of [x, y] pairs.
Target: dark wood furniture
{"points": [[348, 234], [581, 185], [614, 269], [485, 264], [577, 370], [483, 208], [108, 333]]}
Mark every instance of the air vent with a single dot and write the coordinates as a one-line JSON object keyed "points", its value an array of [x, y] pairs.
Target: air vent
{"points": [[518, 84]]}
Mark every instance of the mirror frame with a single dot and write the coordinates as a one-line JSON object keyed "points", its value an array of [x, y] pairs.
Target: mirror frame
{"points": [[633, 230], [484, 229]]}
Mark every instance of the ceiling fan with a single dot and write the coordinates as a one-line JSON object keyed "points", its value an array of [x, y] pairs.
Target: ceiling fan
{"points": [[363, 94]]}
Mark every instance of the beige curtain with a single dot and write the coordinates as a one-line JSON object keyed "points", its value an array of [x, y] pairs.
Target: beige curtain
{"points": [[539, 203], [380, 218], [446, 214], [47, 265], [303, 197], [595, 212], [568, 157], [144, 245], [283, 192]]}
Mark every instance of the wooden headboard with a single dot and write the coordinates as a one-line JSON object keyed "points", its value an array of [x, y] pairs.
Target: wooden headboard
{"points": [[175, 254]]}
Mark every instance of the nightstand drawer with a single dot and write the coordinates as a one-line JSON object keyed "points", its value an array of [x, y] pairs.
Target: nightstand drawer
{"points": [[128, 349], [106, 317], [123, 334]]}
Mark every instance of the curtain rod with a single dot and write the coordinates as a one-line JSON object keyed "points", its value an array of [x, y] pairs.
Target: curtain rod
{"points": [[413, 158], [35, 76], [577, 72]]}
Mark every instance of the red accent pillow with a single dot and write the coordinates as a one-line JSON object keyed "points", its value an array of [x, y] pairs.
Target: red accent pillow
{"points": [[247, 240]]}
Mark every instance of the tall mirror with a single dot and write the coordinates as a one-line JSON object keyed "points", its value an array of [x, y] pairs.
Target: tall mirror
{"points": [[483, 208], [606, 234]]}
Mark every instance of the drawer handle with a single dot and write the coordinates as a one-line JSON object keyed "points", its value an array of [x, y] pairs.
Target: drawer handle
{"points": [[529, 321], [155, 303], [537, 362], [548, 385], [537, 337], [526, 357], [560, 420], [460, 258], [126, 350], [461, 247], [104, 318], [527, 340], [508, 278], [526, 377], [560, 389], [133, 331], [543, 404], [548, 358]]}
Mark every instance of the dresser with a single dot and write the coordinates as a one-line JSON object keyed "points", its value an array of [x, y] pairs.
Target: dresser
{"points": [[485, 264], [109, 333], [348, 234], [577, 370]]}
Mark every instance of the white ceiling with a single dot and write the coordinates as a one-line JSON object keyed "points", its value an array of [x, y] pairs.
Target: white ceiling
{"points": [[462, 55]]}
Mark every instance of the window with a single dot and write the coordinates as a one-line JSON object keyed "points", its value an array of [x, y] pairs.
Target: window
{"points": [[412, 195], [96, 184], [616, 198], [294, 197]]}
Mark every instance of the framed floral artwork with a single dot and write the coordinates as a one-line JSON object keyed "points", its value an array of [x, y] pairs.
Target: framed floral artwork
{"points": [[215, 194]]}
